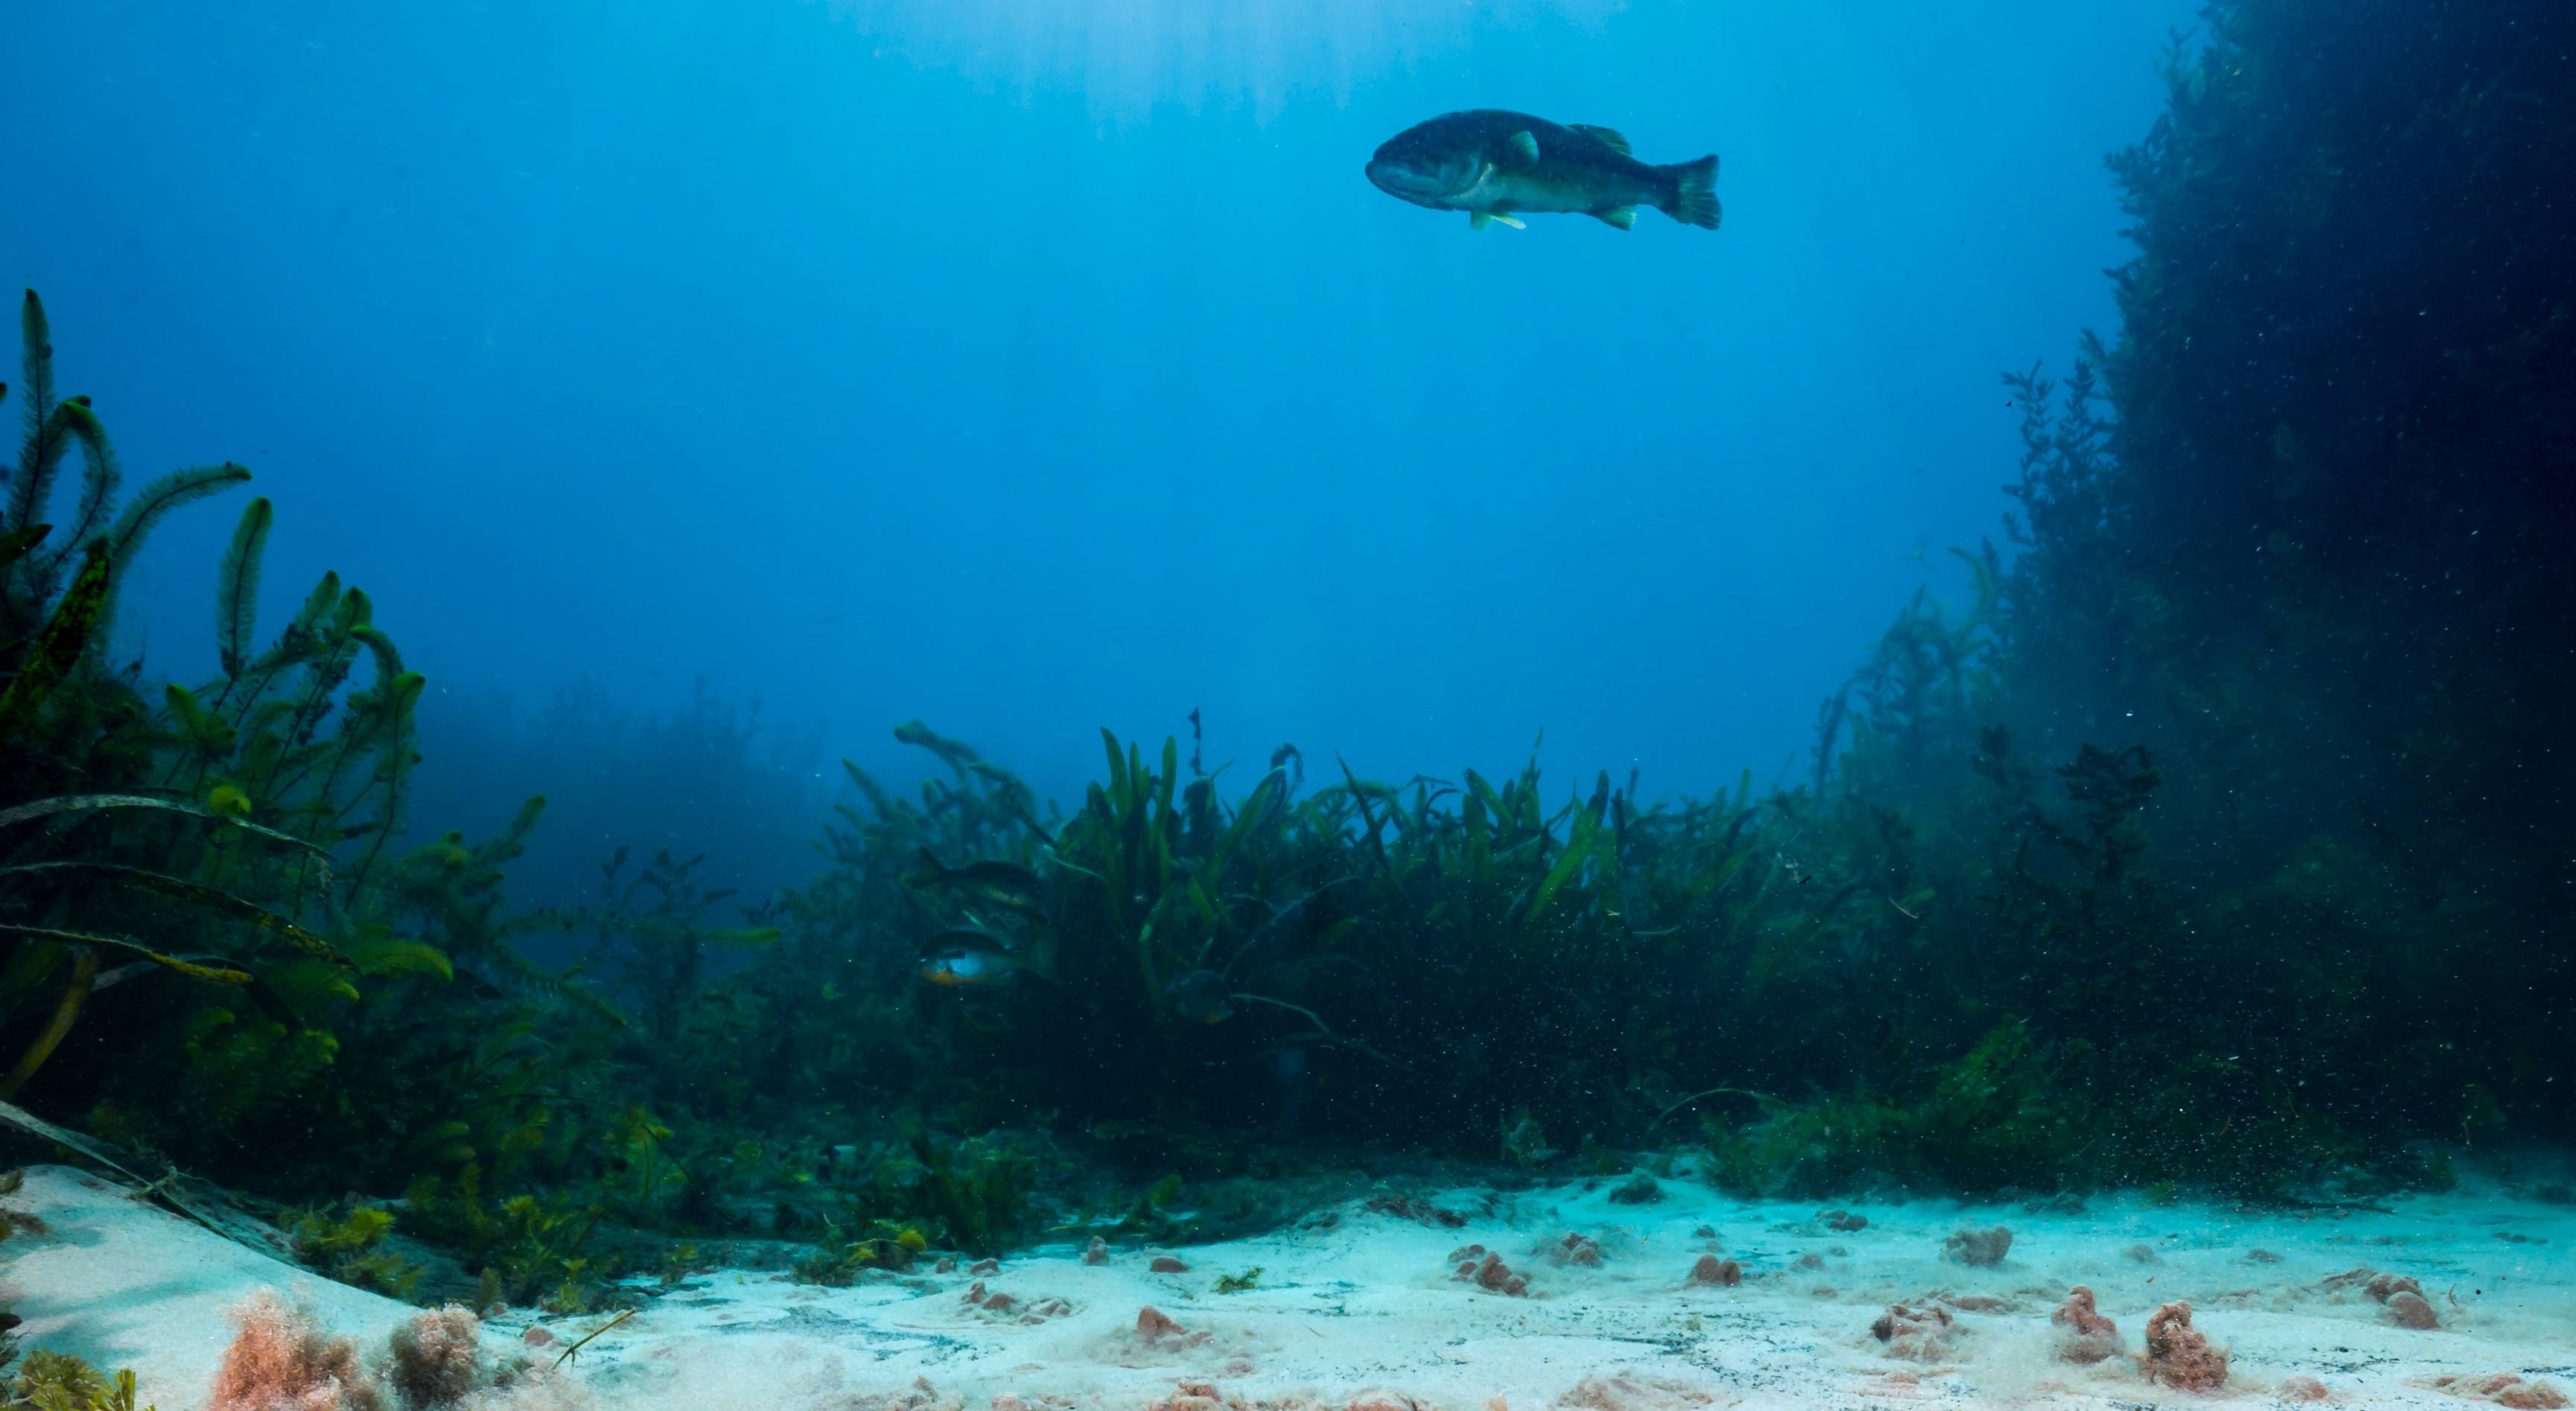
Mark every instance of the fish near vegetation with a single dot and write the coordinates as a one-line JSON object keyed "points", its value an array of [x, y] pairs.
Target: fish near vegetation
{"points": [[964, 966], [966, 958], [1003, 885], [1201, 997], [1492, 163]]}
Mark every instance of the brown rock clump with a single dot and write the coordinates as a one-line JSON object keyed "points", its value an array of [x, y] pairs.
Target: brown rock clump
{"points": [[1982, 1248], [1495, 1276], [1916, 1334], [2178, 1355], [1573, 1249], [2409, 1310], [1195, 1396], [1716, 1272], [1166, 1264], [1419, 1211], [1639, 1189], [2089, 1337], [2383, 1287], [2303, 1389], [1486, 1270], [2503, 1389], [1154, 1325]]}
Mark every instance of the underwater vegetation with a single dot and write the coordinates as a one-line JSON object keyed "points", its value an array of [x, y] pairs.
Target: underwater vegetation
{"points": [[2205, 840]]}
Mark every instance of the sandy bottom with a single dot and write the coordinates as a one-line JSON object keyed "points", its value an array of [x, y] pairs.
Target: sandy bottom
{"points": [[1359, 1307]]}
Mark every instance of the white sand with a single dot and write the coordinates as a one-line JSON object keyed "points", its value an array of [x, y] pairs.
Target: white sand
{"points": [[1354, 1302]]}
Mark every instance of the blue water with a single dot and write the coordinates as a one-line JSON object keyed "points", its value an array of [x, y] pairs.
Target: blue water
{"points": [[1034, 366]]}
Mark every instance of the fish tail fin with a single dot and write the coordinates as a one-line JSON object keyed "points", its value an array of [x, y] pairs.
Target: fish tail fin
{"points": [[933, 877], [1038, 959], [1694, 200]]}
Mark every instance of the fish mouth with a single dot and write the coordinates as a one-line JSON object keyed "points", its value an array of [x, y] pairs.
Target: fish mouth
{"points": [[1405, 183]]}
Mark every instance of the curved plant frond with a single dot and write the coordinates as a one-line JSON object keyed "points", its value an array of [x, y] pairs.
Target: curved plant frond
{"points": [[300, 640], [399, 955], [389, 665], [37, 337], [74, 803], [211, 974], [18, 542], [513, 840], [201, 894], [59, 646], [48, 431], [205, 733], [100, 479], [125, 536], [327, 666], [237, 591], [15, 1116]]}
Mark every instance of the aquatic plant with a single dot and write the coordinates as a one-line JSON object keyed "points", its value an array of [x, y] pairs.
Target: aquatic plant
{"points": [[280, 1356], [435, 1358], [838, 1260], [57, 694], [977, 1194], [1244, 1282], [54, 1381], [350, 1247], [206, 907]]}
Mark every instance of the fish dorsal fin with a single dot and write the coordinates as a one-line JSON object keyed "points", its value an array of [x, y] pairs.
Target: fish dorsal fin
{"points": [[1607, 137], [1524, 145], [1478, 220], [1624, 217]]}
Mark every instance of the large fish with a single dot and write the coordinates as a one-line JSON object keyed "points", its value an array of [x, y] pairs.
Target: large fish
{"points": [[1491, 164]]}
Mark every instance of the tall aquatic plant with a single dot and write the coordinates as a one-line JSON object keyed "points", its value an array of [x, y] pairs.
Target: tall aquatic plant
{"points": [[54, 628], [203, 890]]}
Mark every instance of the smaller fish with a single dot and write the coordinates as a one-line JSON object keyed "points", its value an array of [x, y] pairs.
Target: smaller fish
{"points": [[1005, 885], [964, 956], [1201, 997], [959, 966]]}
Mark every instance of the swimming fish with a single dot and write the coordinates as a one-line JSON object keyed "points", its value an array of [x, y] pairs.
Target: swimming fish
{"points": [[1201, 997], [967, 955], [1006, 885], [1491, 163], [961, 965]]}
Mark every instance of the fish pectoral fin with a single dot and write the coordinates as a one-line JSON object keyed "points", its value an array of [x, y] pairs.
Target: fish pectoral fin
{"points": [[1478, 220], [1525, 146], [1624, 217], [1607, 137]]}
